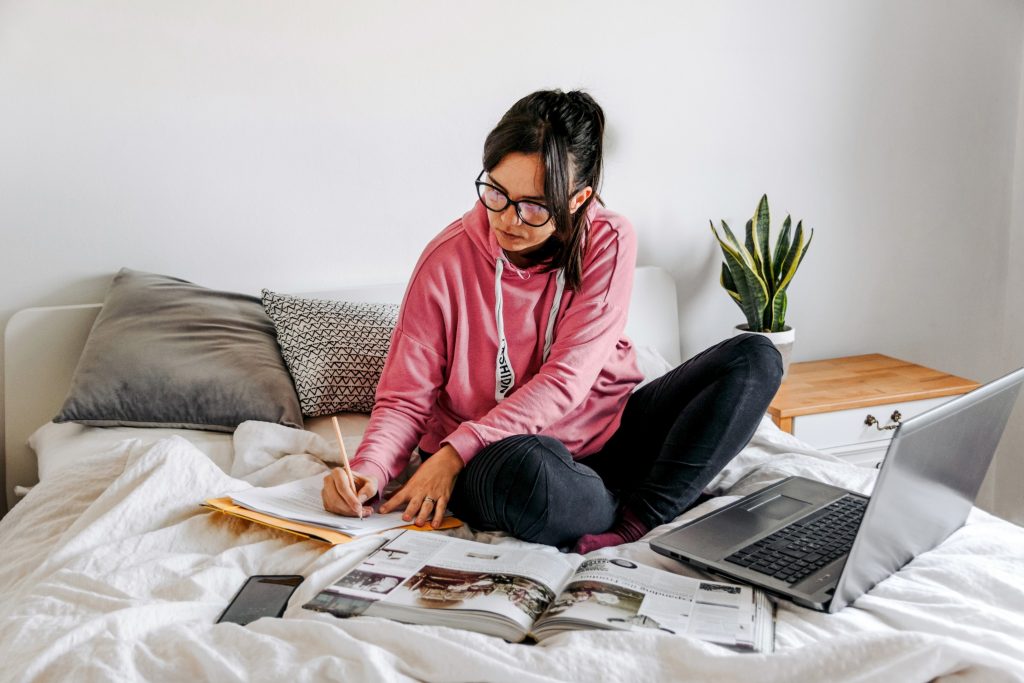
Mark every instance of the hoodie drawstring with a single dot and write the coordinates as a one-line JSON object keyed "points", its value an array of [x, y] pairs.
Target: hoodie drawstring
{"points": [[549, 334], [504, 375]]}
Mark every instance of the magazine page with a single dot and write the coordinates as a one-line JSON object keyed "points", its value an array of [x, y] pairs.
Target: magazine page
{"points": [[616, 593], [434, 579]]}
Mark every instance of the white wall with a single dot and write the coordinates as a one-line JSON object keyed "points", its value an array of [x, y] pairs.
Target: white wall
{"points": [[1009, 465], [305, 145]]}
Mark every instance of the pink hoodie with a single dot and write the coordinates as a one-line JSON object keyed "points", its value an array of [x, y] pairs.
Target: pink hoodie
{"points": [[444, 374]]}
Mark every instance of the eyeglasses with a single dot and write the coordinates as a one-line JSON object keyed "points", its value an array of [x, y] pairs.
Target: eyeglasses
{"points": [[495, 199]]}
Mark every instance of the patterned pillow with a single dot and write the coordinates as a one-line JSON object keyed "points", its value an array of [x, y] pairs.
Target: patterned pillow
{"points": [[335, 350]]}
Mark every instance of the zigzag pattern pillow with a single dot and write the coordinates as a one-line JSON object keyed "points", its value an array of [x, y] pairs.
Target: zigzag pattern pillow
{"points": [[334, 350]]}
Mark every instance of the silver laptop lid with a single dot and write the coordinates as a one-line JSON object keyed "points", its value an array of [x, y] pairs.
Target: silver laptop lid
{"points": [[927, 484]]}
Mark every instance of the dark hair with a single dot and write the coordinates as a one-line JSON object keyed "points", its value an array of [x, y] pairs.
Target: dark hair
{"points": [[567, 130]]}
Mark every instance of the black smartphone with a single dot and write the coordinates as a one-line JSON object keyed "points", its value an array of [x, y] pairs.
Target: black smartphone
{"points": [[260, 596]]}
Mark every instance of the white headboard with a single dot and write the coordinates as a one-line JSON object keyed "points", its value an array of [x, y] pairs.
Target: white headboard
{"points": [[42, 346]]}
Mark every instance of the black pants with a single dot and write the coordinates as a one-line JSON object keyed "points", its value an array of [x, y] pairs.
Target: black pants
{"points": [[676, 434]]}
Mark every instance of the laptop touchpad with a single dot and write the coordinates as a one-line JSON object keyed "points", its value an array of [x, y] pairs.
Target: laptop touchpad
{"points": [[778, 507]]}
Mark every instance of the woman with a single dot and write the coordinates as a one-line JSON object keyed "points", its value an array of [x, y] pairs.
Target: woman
{"points": [[509, 369]]}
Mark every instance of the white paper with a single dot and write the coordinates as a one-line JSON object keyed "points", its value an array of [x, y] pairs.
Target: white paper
{"points": [[301, 501]]}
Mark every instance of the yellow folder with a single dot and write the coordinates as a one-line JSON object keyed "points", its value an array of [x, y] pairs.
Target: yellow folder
{"points": [[316, 533]]}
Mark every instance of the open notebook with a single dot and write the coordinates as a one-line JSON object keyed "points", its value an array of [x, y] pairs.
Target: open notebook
{"points": [[297, 507]]}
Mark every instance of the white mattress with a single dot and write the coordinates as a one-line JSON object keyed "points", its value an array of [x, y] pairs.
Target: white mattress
{"points": [[112, 571], [58, 446]]}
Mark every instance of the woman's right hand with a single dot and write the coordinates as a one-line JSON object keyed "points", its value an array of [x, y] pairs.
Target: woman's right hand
{"points": [[341, 499]]}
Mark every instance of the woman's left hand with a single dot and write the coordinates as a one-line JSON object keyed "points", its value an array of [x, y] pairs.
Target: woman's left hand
{"points": [[427, 492]]}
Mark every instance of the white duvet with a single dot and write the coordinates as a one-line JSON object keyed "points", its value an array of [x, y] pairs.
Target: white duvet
{"points": [[111, 571]]}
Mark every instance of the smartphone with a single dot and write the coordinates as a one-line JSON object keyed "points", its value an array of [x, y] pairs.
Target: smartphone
{"points": [[260, 596]]}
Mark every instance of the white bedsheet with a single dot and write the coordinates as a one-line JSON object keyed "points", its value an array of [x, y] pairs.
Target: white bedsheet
{"points": [[111, 571]]}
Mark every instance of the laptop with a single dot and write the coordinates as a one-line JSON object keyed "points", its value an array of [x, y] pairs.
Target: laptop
{"points": [[822, 546]]}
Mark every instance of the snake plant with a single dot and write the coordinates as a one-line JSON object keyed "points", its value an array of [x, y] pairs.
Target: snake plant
{"points": [[756, 275]]}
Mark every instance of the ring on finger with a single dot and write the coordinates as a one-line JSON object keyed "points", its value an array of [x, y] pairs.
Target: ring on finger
{"points": [[428, 499]]}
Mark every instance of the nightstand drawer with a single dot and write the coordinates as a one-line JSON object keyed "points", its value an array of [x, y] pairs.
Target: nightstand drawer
{"points": [[868, 454], [847, 427]]}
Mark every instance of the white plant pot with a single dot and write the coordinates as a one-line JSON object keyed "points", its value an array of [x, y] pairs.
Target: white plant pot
{"points": [[783, 342]]}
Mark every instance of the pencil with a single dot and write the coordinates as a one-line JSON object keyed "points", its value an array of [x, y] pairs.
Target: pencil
{"points": [[344, 461]]}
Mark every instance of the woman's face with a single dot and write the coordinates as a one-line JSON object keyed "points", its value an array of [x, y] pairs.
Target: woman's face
{"points": [[521, 176]]}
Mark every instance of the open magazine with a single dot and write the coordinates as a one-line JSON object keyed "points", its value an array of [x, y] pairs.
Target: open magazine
{"points": [[515, 593]]}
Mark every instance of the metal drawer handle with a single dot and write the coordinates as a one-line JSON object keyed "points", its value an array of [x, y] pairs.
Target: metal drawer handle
{"points": [[895, 418]]}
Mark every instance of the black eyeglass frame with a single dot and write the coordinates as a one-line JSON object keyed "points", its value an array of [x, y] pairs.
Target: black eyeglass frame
{"points": [[508, 200]]}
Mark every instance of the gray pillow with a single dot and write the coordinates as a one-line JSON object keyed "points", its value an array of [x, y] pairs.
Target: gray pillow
{"points": [[164, 352], [335, 350]]}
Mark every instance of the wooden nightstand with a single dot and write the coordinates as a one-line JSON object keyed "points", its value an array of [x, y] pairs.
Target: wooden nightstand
{"points": [[850, 406]]}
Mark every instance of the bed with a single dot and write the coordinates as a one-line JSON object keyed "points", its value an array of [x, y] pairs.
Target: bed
{"points": [[111, 571]]}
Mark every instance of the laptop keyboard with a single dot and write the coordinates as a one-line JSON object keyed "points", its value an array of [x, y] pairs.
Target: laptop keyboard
{"points": [[805, 546]]}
